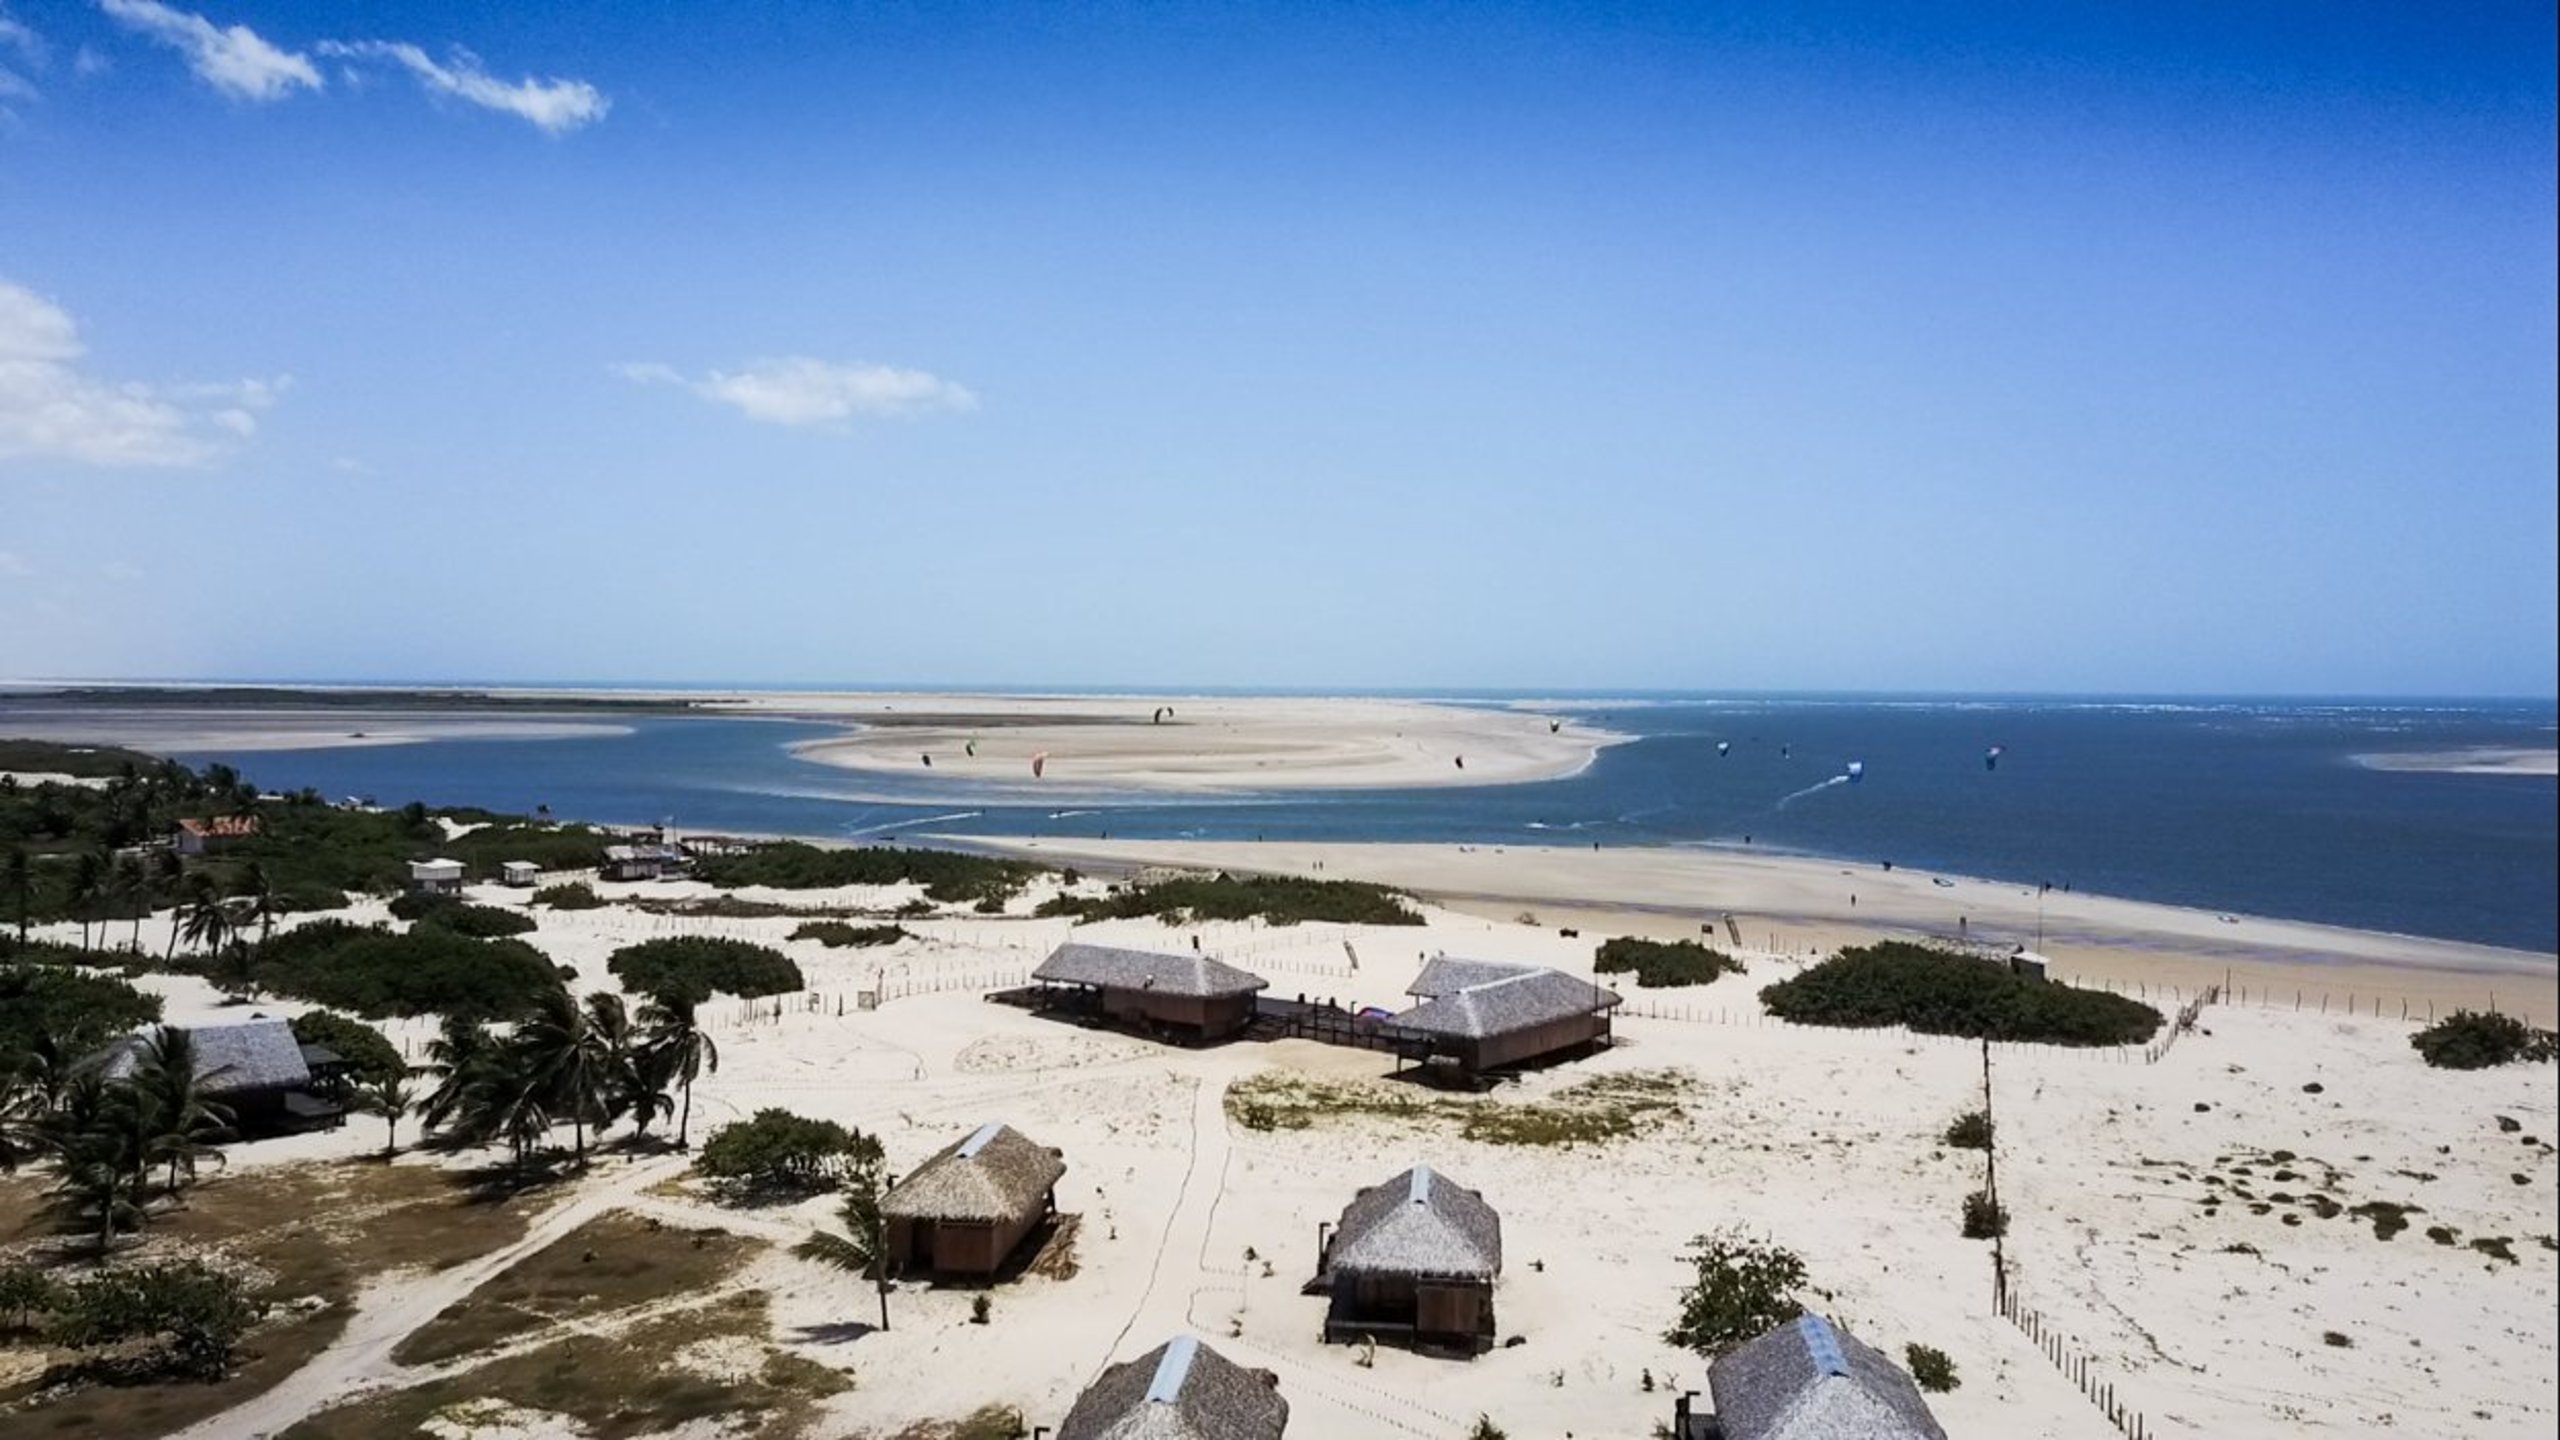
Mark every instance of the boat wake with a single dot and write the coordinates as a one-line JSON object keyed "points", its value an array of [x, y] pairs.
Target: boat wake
{"points": [[919, 820]]}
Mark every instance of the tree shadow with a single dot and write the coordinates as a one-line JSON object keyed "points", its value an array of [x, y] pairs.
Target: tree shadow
{"points": [[836, 1332]]}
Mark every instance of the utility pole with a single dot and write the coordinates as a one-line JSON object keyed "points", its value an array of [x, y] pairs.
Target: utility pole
{"points": [[1991, 1181]]}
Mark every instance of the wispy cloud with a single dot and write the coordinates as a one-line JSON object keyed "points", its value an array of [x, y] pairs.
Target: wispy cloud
{"points": [[233, 59], [797, 390], [20, 46], [557, 106], [51, 408]]}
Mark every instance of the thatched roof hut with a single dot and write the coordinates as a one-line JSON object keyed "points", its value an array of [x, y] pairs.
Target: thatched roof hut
{"points": [[994, 1173], [245, 1055], [1807, 1381], [1522, 1014], [1111, 968], [1420, 1225], [1446, 974], [1181, 1390]]}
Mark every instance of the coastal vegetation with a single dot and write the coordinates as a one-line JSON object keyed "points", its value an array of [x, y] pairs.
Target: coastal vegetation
{"points": [[2481, 1040], [947, 876], [429, 970], [1969, 1131], [1277, 899], [53, 1014], [448, 912], [569, 895], [839, 934], [371, 1058], [1739, 1288], [1661, 963], [1597, 1111], [694, 968], [1930, 1368], [775, 1153], [1942, 992]]}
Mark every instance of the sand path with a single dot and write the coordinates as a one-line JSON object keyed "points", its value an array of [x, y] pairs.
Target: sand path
{"points": [[394, 1306]]}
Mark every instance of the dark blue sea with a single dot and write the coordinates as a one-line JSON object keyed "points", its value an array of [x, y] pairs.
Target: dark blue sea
{"points": [[2255, 807]]}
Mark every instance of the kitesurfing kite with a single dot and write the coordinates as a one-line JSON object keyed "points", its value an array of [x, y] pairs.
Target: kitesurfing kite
{"points": [[1161, 712], [1554, 725], [1857, 771], [1462, 762], [1991, 757], [1724, 747], [928, 762], [1038, 762], [973, 749]]}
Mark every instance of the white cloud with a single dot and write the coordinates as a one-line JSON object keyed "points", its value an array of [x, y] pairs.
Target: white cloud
{"points": [[31, 52], [796, 390], [13, 568], [234, 60], [49, 407], [555, 105]]}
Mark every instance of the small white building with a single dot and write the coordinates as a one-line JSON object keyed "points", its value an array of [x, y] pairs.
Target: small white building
{"points": [[520, 873], [435, 877]]}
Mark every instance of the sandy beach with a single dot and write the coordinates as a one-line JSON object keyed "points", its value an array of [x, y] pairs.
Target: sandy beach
{"points": [[2207, 1317], [162, 731], [1192, 744], [1801, 905], [2481, 760]]}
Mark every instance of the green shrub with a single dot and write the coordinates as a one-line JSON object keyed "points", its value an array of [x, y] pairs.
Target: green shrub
{"points": [[946, 875], [574, 895], [776, 1152], [552, 847], [79, 1011], [1970, 1131], [196, 1314], [1658, 963], [305, 897], [428, 971], [2478, 1040], [696, 967], [1984, 1217], [1279, 899], [1743, 1288], [1939, 992], [838, 934], [369, 1055], [1930, 1367], [480, 922], [419, 904]]}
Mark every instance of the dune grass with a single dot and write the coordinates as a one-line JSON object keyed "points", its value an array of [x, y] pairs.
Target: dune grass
{"points": [[613, 1262]]}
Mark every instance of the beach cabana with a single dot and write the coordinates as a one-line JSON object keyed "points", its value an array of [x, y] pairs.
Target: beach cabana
{"points": [[1527, 1014], [1180, 1390], [1414, 1258], [1446, 975], [435, 877], [520, 874], [255, 1068], [1806, 1380], [1189, 996], [196, 837], [642, 862], [967, 1209]]}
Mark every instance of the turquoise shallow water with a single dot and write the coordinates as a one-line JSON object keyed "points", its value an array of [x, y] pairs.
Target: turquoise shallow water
{"points": [[2235, 805]]}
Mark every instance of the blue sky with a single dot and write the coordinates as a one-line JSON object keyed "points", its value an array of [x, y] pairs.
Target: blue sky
{"points": [[2021, 347]]}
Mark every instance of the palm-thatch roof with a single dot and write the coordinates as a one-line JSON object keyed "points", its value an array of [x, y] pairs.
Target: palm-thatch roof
{"points": [[1419, 1224], [1161, 973], [1807, 1381], [993, 1173], [1446, 974], [1520, 1001], [1180, 1390], [244, 1055]]}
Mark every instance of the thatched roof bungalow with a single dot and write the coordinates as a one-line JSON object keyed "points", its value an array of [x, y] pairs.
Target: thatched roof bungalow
{"points": [[1446, 974], [1526, 1014], [1415, 1257], [966, 1210], [255, 1068], [1188, 996], [1807, 1381], [1180, 1390]]}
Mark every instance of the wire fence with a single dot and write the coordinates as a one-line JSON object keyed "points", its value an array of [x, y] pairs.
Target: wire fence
{"points": [[2076, 1365]]}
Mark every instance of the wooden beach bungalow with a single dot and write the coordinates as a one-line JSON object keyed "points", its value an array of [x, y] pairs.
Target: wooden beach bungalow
{"points": [[965, 1211], [1413, 1259], [1483, 1016], [1187, 997], [255, 1068], [1180, 1390], [519, 874], [435, 877], [1806, 1380]]}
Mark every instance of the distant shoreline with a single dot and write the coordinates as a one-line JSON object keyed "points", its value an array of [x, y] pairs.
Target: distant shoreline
{"points": [[2477, 760]]}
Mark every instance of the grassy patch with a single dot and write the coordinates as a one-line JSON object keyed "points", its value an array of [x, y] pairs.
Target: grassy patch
{"points": [[1279, 899], [837, 934], [616, 1386], [1592, 1112], [610, 1263], [987, 1422]]}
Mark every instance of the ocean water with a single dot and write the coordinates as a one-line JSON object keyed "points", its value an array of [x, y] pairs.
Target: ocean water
{"points": [[2255, 807]]}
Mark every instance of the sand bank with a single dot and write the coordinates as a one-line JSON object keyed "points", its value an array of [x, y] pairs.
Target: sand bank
{"points": [[1187, 744], [1798, 904], [2478, 760], [162, 731]]}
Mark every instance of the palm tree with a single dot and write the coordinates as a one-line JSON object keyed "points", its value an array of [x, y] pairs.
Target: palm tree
{"points": [[133, 890], [454, 1058], [22, 1112], [208, 921], [234, 967], [388, 1095], [864, 1247], [564, 1062], [621, 1062], [22, 882], [259, 899], [185, 1120], [680, 1052], [88, 882], [193, 893], [99, 1137]]}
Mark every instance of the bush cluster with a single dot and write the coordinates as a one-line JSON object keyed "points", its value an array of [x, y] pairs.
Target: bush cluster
{"points": [[574, 895], [946, 875], [1743, 1288], [838, 934], [1659, 963], [1970, 1131], [777, 1152], [2478, 1040], [480, 922], [78, 1010], [428, 971], [369, 1055], [1940, 992], [1984, 1217], [697, 967], [1279, 899], [1930, 1367]]}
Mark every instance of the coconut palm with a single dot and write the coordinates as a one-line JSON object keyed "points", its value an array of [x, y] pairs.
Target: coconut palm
{"points": [[88, 883], [185, 1120], [679, 1051], [192, 893], [864, 1247], [623, 1062], [257, 901], [208, 922], [100, 1142], [564, 1062], [389, 1095], [22, 884], [132, 889], [454, 1058]]}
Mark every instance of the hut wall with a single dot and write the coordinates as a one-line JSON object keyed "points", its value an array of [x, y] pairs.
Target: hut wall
{"points": [[1452, 1310], [1208, 1016], [1511, 1048]]}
